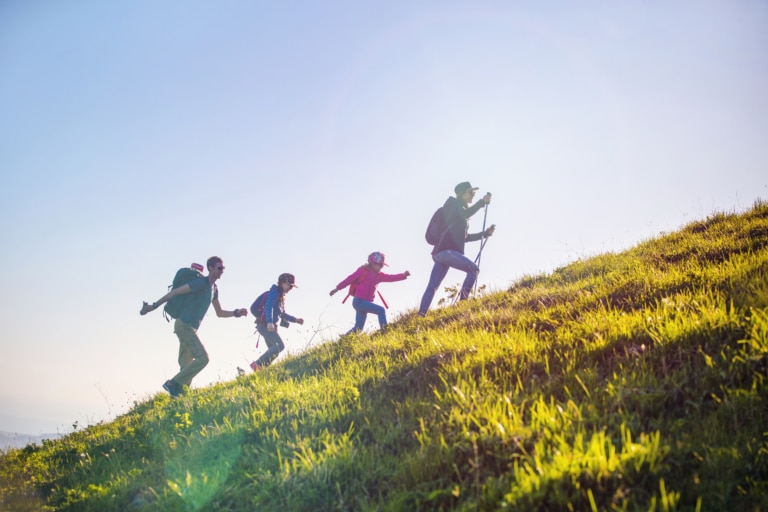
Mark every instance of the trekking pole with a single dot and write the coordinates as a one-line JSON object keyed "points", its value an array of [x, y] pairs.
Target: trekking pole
{"points": [[479, 254], [482, 245]]}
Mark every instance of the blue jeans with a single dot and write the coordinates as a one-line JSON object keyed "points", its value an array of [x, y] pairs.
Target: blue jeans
{"points": [[362, 308], [443, 261], [274, 343]]}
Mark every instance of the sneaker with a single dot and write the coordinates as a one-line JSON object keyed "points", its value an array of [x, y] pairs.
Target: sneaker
{"points": [[256, 367], [172, 388]]}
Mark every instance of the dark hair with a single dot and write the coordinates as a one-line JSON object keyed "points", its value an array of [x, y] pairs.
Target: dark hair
{"points": [[212, 261]]}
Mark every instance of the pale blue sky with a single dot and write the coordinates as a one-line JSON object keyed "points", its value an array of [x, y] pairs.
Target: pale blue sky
{"points": [[138, 137]]}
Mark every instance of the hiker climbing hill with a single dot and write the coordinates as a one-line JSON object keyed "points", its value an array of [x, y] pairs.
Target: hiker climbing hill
{"points": [[268, 308], [448, 231], [188, 302], [362, 287]]}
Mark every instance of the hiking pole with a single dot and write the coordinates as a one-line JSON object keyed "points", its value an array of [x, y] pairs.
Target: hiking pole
{"points": [[482, 245], [479, 254]]}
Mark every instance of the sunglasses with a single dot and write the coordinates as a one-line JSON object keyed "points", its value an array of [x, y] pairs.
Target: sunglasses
{"points": [[220, 268]]}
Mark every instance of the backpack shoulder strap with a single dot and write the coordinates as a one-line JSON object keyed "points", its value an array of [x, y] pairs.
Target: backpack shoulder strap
{"points": [[446, 225], [382, 299]]}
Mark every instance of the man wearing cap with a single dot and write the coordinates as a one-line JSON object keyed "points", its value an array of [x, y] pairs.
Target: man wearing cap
{"points": [[202, 292], [449, 249]]}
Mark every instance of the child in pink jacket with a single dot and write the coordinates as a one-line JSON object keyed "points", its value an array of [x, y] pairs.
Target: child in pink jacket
{"points": [[362, 286]]}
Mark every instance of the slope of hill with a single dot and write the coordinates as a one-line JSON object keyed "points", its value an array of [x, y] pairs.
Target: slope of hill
{"points": [[632, 381]]}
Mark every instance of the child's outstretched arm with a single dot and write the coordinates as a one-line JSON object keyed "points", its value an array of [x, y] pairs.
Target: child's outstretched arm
{"points": [[290, 318], [388, 278], [346, 282]]}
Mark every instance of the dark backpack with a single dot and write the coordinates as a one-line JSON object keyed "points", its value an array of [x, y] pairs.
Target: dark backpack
{"points": [[257, 308], [436, 228], [175, 306]]}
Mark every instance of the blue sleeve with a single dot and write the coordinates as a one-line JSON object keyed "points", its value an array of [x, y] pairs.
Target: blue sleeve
{"points": [[289, 318], [269, 306]]}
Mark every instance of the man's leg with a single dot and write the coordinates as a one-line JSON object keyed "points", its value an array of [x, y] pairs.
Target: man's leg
{"points": [[469, 283], [363, 307], [436, 277], [455, 259], [184, 355], [195, 354]]}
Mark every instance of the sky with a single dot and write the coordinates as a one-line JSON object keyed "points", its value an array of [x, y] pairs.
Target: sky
{"points": [[139, 137]]}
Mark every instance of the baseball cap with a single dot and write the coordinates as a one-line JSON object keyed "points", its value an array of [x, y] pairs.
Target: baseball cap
{"points": [[377, 257], [287, 278], [463, 187]]}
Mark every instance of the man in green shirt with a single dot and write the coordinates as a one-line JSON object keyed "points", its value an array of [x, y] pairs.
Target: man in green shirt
{"points": [[203, 292]]}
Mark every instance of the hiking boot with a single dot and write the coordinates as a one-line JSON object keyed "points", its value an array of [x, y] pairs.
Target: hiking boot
{"points": [[256, 367], [172, 388]]}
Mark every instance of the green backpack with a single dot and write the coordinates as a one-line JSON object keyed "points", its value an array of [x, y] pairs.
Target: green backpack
{"points": [[175, 306]]}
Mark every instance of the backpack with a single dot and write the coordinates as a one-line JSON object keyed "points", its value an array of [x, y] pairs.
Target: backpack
{"points": [[436, 227], [258, 308], [175, 306], [352, 287]]}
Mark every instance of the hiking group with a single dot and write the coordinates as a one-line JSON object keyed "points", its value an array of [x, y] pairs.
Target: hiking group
{"points": [[192, 292]]}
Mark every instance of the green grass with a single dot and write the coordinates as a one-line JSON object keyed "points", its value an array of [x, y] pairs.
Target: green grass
{"points": [[632, 381]]}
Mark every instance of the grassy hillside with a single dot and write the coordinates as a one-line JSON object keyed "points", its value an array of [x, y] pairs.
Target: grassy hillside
{"points": [[632, 381]]}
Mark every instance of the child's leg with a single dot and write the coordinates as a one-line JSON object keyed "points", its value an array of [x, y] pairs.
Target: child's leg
{"points": [[360, 317], [361, 313], [274, 343], [363, 307], [382, 314]]}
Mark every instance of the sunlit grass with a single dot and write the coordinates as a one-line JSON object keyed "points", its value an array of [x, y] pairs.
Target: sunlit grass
{"points": [[632, 381]]}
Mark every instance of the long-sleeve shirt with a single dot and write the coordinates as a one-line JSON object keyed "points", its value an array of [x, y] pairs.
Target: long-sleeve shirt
{"points": [[456, 217], [274, 307], [364, 281]]}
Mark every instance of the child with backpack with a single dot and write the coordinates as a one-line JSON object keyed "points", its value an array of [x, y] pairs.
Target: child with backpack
{"points": [[267, 308], [362, 287]]}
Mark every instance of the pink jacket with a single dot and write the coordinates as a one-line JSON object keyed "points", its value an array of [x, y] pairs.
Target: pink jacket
{"points": [[363, 282]]}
